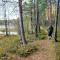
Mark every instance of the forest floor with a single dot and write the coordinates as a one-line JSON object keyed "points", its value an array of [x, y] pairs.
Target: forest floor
{"points": [[46, 52]]}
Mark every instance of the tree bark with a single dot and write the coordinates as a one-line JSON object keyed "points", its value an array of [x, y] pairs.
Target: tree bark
{"points": [[51, 11], [21, 24], [31, 18], [56, 22], [6, 25], [37, 20]]}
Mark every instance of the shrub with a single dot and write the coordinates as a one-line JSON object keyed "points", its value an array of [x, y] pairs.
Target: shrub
{"points": [[42, 37], [27, 50], [13, 49], [24, 50], [1, 52]]}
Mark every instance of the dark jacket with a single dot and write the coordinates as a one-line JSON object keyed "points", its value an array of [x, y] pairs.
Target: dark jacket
{"points": [[50, 30]]}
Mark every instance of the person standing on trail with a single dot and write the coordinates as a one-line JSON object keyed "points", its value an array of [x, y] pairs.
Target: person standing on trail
{"points": [[50, 31]]}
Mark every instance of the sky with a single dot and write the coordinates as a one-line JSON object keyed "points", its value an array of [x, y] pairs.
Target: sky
{"points": [[11, 10]]}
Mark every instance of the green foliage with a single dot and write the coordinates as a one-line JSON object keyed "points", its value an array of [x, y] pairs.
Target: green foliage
{"points": [[24, 50], [1, 52], [41, 3], [42, 35], [6, 43], [2, 30], [12, 45], [42, 6], [58, 47], [27, 51]]}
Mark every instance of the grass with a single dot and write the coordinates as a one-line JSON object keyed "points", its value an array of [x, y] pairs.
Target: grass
{"points": [[31, 37], [11, 45], [58, 47], [9, 30], [5, 44]]}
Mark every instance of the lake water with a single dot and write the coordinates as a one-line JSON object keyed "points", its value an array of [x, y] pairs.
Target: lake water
{"points": [[10, 33], [3, 27]]}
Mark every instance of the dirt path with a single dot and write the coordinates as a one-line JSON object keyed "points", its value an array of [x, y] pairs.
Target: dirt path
{"points": [[46, 52]]}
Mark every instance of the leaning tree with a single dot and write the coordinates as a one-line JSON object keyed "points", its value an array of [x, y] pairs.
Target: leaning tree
{"points": [[21, 23]]}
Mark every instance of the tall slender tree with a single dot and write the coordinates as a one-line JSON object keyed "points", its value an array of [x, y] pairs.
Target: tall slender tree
{"points": [[50, 11], [35, 14], [21, 23], [56, 22], [31, 13], [6, 25], [37, 18]]}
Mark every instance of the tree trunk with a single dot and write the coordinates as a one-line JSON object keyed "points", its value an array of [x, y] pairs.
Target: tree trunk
{"points": [[50, 11], [37, 20], [35, 16], [6, 25], [56, 22], [21, 23], [31, 19]]}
